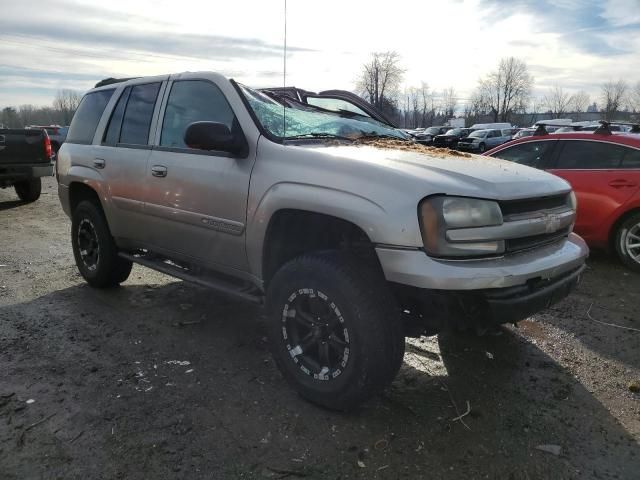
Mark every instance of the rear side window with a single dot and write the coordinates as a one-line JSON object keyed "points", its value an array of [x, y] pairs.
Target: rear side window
{"points": [[193, 101], [588, 155], [138, 114], [112, 135], [631, 158], [530, 153], [85, 121]]}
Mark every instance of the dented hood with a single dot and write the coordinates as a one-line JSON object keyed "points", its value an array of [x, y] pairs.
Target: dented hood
{"points": [[451, 173]]}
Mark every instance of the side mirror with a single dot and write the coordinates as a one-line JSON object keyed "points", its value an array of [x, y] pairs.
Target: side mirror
{"points": [[214, 136]]}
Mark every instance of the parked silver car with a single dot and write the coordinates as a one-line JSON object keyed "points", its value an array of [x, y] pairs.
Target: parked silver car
{"points": [[351, 245], [483, 140]]}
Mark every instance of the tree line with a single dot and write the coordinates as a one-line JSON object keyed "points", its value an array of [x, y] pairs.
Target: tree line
{"points": [[60, 112], [499, 96], [502, 94]]}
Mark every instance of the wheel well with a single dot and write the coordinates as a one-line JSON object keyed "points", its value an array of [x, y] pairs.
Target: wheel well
{"points": [[293, 232], [79, 192], [616, 225]]}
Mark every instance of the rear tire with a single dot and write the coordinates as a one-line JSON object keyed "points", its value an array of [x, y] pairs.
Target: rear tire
{"points": [[94, 249], [628, 242], [334, 329], [29, 190]]}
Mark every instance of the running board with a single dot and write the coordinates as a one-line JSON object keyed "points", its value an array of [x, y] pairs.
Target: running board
{"points": [[209, 281]]}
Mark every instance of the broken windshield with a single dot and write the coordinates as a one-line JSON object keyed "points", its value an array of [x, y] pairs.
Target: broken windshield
{"points": [[309, 122]]}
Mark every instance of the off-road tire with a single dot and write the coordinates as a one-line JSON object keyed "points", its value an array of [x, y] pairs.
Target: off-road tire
{"points": [[370, 316], [630, 226], [29, 190], [108, 270]]}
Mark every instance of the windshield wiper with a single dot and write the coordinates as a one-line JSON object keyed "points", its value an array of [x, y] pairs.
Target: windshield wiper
{"points": [[380, 135], [319, 135]]}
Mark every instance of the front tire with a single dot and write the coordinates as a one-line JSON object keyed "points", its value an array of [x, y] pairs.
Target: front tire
{"points": [[94, 249], [29, 190], [334, 329], [628, 242], [482, 148]]}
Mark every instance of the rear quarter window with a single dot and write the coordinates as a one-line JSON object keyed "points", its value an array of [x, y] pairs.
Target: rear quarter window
{"points": [[138, 114], [589, 155], [85, 121], [631, 158]]}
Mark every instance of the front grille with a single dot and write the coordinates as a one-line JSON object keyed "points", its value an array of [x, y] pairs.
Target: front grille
{"points": [[525, 243], [530, 205]]}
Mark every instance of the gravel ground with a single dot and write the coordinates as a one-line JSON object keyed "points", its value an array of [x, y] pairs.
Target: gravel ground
{"points": [[159, 379]]}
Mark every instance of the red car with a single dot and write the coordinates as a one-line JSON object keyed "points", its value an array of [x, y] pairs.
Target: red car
{"points": [[604, 170]]}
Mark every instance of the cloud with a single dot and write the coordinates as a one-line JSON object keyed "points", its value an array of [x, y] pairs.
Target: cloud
{"points": [[585, 26], [154, 43]]}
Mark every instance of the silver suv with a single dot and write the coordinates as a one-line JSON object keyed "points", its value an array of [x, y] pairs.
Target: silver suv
{"points": [[482, 140], [352, 236]]}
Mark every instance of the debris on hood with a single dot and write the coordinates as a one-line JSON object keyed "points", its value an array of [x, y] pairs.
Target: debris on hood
{"points": [[396, 144]]}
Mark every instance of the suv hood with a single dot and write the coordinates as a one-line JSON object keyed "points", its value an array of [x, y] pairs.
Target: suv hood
{"points": [[446, 173]]}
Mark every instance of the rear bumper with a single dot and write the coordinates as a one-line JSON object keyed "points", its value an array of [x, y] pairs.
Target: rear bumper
{"points": [[10, 173]]}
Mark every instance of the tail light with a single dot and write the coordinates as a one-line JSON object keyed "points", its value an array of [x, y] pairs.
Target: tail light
{"points": [[47, 146]]}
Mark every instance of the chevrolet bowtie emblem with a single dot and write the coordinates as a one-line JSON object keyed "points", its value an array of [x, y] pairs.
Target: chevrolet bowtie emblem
{"points": [[552, 223]]}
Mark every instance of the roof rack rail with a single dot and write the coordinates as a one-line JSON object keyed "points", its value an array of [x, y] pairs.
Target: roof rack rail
{"points": [[604, 124], [111, 81]]}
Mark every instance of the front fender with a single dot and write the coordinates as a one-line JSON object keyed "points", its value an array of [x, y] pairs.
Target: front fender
{"points": [[369, 216]]}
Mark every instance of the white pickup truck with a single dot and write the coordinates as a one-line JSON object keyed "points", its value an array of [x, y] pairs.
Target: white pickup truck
{"points": [[352, 235]]}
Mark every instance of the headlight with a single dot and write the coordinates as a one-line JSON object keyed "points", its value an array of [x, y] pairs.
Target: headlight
{"points": [[441, 214], [573, 201]]}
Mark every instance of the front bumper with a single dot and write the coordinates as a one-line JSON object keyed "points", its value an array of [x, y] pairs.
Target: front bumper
{"points": [[469, 147], [10, 173], [415, 268], [442, 294]]}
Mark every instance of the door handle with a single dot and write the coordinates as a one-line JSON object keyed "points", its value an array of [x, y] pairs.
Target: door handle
{"points": [[159, 171], [98, 163], [619, 183]]}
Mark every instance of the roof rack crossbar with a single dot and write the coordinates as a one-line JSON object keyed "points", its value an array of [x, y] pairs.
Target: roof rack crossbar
{"points": [[635, 126]]}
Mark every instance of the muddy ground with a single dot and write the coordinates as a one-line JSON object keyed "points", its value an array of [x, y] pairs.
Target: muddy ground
{"points": [[159, 379]]}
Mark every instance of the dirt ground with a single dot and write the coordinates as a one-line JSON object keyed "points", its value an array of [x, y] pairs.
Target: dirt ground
{"points": [[159, 379]]}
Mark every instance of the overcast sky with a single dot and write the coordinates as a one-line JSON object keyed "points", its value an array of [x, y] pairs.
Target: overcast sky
{"points": [[53, 44]]}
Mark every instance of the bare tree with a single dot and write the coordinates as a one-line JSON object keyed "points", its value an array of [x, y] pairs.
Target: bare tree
{"points": [[635, 97], [613, 95], [66, 102], [507, 89], [580, 101], [449, 101], [419, 106], [9, 118], [381, 78], [558, 101]]}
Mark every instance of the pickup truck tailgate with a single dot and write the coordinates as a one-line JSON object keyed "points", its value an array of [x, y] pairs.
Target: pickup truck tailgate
{"points": [[22, 147]]}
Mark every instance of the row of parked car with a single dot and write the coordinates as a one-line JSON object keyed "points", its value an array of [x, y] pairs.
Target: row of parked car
{"points": [[477, 138], [482, 137]]}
